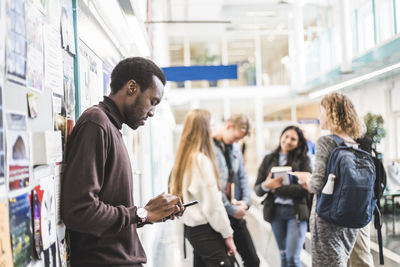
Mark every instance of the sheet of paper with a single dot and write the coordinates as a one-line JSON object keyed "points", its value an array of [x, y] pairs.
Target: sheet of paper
{"points": [[48, 213], [16, 45], [67, 26], [50, 256], [35, 52], [53, 60], [17, 150]]}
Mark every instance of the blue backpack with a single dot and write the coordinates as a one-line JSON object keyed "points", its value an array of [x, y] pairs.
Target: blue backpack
{"points": [[352, 202]]}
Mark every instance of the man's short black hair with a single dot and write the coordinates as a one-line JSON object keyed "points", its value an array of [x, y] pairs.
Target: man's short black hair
{"points": [[135, 68]]}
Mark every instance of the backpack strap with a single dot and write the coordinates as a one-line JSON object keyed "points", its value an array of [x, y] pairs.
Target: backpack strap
{"points": [[184, 242], [378, 227], [338, 140]]}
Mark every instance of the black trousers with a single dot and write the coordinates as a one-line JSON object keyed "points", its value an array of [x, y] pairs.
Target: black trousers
{"points": [[209, 248], [244, 243]]}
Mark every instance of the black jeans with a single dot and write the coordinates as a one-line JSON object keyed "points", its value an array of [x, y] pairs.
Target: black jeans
{"points": [[244, 243], [209, 248]]}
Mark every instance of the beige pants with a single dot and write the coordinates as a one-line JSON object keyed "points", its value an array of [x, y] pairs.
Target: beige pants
{"points": [[361, 254]]}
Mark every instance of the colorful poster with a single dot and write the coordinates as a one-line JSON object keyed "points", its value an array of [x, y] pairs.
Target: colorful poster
{"points": [[16, 47], [91, 77], [20, 226], [53, 60], [17, 150], [35, 54], [5, 241]]}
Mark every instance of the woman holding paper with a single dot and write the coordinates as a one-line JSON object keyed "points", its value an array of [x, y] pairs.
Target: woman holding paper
{"points": [[286, 204], [195, 177]]}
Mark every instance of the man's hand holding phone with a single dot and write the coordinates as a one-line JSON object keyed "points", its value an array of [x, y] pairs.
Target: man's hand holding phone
{"points": [[163, 206], [172, 216]]}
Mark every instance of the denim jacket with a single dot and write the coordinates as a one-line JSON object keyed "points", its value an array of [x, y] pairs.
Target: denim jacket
{"points": [[239, 177]]}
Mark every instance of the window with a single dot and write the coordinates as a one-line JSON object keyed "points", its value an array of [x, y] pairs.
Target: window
{"points": [[397, 6], [384, 20], [398, 136], [366, 39]]}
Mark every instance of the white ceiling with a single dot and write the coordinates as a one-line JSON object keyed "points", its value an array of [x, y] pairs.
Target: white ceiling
{"points": [[240, 17]]}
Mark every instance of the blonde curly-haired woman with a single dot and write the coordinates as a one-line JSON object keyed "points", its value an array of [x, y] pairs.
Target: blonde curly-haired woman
{"points": [[331, 244]]}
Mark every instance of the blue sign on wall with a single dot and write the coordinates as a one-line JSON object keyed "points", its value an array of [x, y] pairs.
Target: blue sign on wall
{"points": [[197, 73]]}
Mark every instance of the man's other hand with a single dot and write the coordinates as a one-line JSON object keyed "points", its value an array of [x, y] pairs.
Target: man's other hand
{"points": [[163, 206], [240, 212], [243, 204]]}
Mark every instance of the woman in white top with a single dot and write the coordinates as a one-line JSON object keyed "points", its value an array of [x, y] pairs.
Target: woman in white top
{"points": [[194, 177]]}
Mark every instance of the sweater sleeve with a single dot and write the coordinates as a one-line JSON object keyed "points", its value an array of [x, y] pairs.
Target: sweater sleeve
{"points": [[263, 171], [323, 149], [209, 196], [244, 181], [82, 181]]}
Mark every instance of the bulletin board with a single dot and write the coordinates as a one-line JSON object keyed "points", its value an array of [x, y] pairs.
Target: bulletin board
{"points": [[37, 54]]}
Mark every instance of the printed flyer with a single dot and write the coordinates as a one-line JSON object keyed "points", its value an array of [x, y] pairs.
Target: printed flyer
{"points": [[17, 150]]}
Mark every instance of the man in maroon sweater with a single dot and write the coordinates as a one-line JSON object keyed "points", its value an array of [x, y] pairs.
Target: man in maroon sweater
{"points": [[97, 189]]}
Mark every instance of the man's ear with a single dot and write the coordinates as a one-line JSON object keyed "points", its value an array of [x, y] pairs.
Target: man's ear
{"points": [[132, 87]]}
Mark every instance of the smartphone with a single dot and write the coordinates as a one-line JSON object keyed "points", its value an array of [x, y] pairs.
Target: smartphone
{"points": [[194, 202]]}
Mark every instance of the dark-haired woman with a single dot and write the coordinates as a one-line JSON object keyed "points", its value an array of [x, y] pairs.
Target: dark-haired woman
{"points": [[286, 206]]}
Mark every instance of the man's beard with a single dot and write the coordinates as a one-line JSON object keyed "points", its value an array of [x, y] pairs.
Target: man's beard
{"points": [[133, 123]]}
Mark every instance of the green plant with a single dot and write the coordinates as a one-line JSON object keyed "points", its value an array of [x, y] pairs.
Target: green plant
{"points": [[205, 58], [375, 130]]}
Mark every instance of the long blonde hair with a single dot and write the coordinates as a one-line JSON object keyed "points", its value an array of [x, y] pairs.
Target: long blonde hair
{"points": [[195, 138], [341, 115]]}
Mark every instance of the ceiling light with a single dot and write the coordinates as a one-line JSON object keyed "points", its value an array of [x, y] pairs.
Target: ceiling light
{"points": [[350, 82], [285, 60]]}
